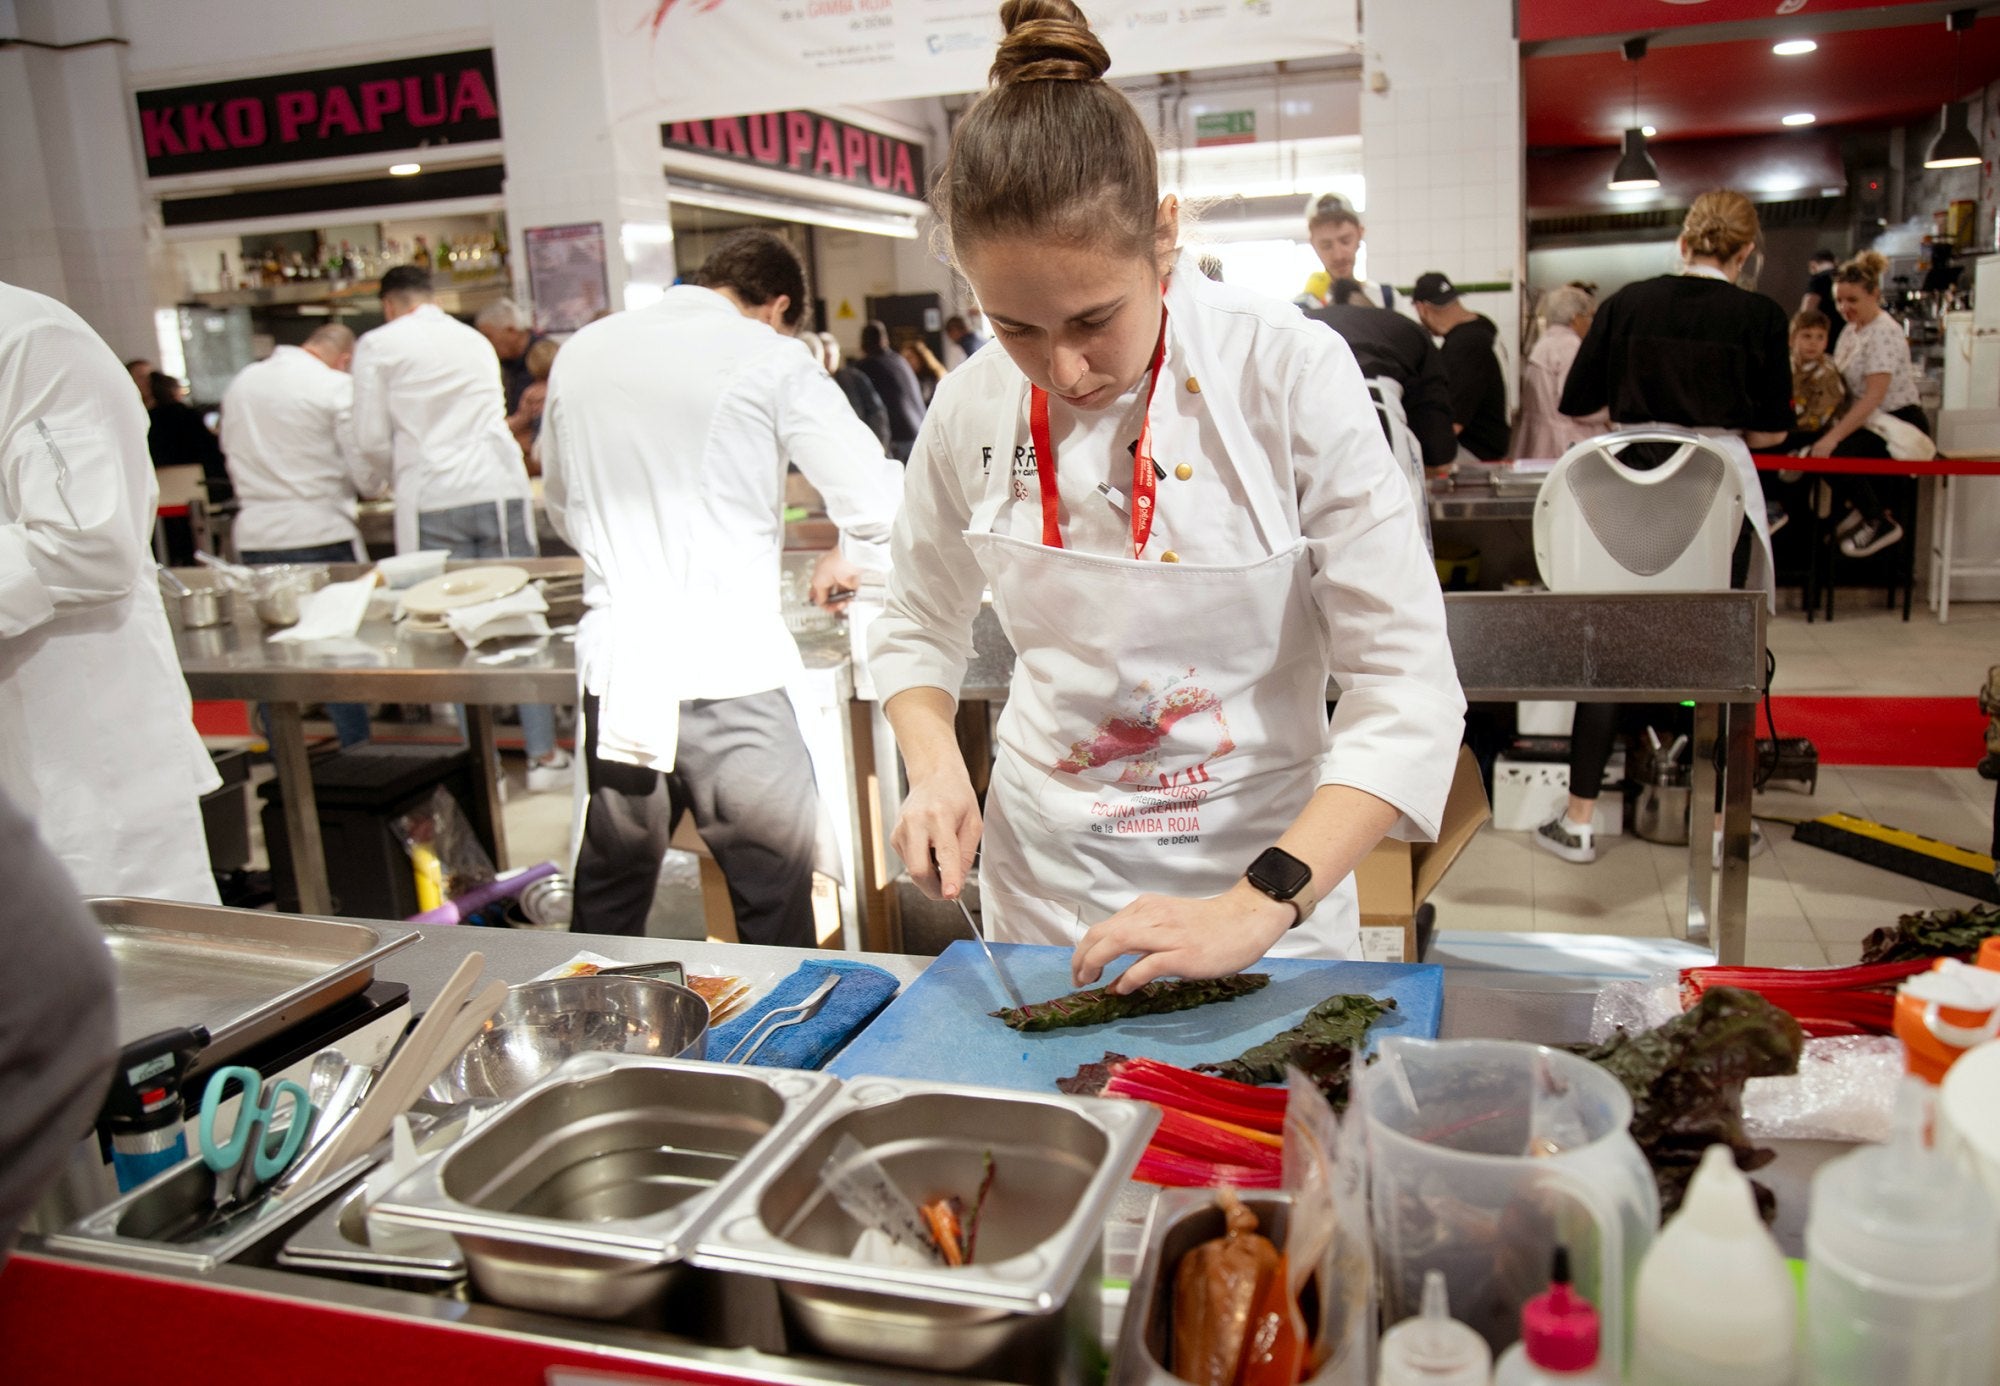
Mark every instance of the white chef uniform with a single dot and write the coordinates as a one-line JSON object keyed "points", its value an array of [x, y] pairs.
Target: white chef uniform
{"points": [[288, 436], [664, 450], [1166, 720], [428, 403], [97, 741]]}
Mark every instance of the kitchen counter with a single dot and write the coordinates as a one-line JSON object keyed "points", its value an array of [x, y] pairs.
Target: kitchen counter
{"points": [[331, 1327]]}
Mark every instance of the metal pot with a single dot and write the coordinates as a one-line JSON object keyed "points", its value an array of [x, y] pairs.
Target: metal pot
{"points": [[196, 608]]}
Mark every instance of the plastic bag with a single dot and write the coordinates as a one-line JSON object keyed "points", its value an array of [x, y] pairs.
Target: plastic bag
{"points": [[1845, 1090], [1635, 1007], [893, 1230], [1217, 1287], [1331, 1241], [443, 849]]}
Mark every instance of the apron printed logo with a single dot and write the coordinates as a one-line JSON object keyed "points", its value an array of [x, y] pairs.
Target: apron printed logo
{"points": [[1163, 804]]}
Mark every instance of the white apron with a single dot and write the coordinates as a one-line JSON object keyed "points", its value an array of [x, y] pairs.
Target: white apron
{"points": [[1165, 722]]}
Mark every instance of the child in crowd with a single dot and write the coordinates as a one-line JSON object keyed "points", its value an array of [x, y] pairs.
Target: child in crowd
{"points": [[1819, 395]]}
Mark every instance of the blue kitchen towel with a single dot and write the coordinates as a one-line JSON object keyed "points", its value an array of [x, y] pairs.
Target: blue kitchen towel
{"points": [[863, 990]]}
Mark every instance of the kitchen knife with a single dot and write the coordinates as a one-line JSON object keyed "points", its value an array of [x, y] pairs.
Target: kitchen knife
{"points": [[1006, 985]]}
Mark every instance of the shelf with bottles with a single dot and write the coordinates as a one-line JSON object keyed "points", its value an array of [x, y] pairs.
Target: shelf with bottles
{"points": [[466, 255]]}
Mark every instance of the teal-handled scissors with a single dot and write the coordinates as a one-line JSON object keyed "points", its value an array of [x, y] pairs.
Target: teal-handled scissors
{"points": [[250, 1137]]}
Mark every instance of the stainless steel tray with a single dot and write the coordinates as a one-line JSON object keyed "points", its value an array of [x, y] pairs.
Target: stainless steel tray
{"points": [[244, 974]]}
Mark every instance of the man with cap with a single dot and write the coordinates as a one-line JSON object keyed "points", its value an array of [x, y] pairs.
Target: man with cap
{"points": [[1468, 342], [1336, 233]]}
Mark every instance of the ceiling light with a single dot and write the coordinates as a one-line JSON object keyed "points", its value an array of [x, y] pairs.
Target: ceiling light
{"points": [[1954, 145], [1799, 118], [1791, 48], [1635, 167], [404, 170], [1648, 131]]}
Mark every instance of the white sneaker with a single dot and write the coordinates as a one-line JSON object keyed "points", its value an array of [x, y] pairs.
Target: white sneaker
{"points": [[1757, 845], [1575, 842], [552, 774]]}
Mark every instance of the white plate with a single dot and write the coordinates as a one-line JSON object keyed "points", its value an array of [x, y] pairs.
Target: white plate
{"points": [[466, 587]]}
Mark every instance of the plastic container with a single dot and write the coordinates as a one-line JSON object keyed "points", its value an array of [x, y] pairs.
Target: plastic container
{"points": [[1434, 1349], [1715, 1300], [1559, 1339], [1942, 1013], [1487, 1155], [1903, 1263]]}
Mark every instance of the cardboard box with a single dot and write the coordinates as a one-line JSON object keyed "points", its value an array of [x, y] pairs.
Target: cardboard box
{"points": [[1397, 877]]}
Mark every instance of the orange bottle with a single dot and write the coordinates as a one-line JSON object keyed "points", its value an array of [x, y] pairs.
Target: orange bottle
{"points": [[1944, 1012]]}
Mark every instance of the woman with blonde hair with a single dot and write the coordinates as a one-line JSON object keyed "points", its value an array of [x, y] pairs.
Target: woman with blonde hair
{"points": [[1695, 350], [1873, 358], [1226, 531]]}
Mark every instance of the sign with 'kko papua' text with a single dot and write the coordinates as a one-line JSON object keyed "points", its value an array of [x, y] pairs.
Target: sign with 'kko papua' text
{"points": [[404, 103], [808, 143]]}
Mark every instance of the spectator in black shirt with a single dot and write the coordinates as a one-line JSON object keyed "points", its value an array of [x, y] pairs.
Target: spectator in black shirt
{"points": [[1388, 346], [1478, 389], [893, 379], [1695, 350], [1819, 295], [861, 396]]}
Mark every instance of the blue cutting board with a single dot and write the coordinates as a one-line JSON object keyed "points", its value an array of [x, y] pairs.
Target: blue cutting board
{"points": [[939, 1029]]}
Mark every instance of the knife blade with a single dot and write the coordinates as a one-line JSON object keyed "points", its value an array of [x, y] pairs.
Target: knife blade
{"points": [[1006, 984]]}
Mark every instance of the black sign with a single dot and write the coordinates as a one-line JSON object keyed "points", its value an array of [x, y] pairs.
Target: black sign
{"points": [[448, 98], [807, 142]]}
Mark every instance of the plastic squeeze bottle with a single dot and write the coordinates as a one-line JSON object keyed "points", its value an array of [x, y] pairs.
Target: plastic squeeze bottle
{"points": [[1558, 1344], [1903, 1264], [1715, 1302], [1434, 1349]]}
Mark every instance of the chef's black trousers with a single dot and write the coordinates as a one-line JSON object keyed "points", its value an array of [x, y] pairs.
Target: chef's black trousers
{"points": [[742, 769]]}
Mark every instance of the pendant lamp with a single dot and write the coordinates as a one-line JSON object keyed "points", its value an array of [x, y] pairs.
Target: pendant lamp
{"points": [[1954, 145], [1636, 169]]}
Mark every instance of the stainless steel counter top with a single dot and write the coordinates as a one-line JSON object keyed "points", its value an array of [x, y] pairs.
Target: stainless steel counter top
{"points": [[1471, 496]]}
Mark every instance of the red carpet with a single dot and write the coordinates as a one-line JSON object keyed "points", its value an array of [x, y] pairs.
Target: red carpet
{"points": [[1947, 732]]}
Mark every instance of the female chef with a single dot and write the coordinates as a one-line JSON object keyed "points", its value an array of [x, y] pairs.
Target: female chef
{"points": [[1181, 500]]}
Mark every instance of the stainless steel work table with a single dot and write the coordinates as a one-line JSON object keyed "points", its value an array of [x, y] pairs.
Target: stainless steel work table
{"points": [[1701, 647], [437, 1335], [1470, 496], [385, 663]]}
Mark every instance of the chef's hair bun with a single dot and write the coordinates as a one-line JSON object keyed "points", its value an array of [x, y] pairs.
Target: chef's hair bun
{"points": [[1047, 41]]}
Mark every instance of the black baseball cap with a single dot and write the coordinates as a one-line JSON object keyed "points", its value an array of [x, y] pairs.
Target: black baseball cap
{"points": [[1435, 288]]}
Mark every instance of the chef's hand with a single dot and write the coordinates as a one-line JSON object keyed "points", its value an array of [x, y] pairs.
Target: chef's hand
{"points": [[938, 833], [834, 573], [1183, 938], [1823, 448]]}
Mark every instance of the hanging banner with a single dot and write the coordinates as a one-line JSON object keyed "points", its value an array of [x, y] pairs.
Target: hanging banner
{"points": [[688, 59]]}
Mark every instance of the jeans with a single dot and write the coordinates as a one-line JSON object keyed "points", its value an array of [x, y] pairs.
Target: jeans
{"points": [[478, 531], [350, 720]]}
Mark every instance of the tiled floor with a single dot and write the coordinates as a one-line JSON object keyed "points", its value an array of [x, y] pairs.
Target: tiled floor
{"points": [[1806, 905]]}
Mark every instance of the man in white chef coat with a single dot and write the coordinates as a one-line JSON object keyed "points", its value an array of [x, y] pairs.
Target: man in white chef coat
{"points": [[428, 407], [664, 451], [288, 440], [97, 740]]}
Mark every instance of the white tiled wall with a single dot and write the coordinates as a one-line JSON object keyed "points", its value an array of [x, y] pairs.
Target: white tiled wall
{"points": [[1441, 145]]}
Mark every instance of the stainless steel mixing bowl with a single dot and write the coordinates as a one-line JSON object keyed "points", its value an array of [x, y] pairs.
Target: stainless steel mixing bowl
{"points": [[542, 1023]]}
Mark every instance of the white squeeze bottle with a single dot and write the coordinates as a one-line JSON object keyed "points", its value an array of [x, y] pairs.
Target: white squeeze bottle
{"points": [[1559, 1339], [1903, 1261], [1434, 1349], [1715, 1302]]}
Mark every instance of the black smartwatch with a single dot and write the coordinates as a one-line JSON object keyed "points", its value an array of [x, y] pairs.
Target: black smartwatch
{"points": [[1285, 879]]}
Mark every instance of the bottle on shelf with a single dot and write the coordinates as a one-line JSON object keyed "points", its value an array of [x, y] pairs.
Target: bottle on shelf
{"points": [[1559, 1339], [1434, 1349], [224, 280], [1903, 1263], [1715, 1301], [420, 254]]}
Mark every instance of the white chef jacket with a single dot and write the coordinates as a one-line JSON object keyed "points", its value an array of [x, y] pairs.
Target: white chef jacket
{"points": [[97, 739], [1278, 392], [664, 448], [428, 404], [288, 436]]}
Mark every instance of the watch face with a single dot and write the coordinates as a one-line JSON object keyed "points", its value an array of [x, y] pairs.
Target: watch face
{"points": [[1279, 874]]}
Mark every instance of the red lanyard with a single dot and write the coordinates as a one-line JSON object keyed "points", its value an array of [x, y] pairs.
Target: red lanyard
{"points": [[1145, 480]]}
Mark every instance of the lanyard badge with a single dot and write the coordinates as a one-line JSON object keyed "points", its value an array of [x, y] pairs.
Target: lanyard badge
{"points": [[1145, 480]]}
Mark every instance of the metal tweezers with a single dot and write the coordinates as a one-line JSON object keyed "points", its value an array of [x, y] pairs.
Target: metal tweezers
{"points": [[783, 1016]]}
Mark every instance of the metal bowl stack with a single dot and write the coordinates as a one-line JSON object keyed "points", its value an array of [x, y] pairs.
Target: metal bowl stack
{"points": [[543, 1023]]}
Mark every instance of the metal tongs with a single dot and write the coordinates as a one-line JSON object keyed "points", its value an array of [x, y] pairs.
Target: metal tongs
{"points": [[784, 1017]]}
